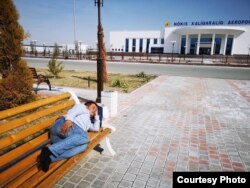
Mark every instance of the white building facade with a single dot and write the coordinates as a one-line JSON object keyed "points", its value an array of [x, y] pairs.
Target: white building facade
{"points": [[205, 37]]}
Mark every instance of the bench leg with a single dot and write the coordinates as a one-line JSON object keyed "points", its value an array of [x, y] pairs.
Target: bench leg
{"points": [[105, 144], [48, 82], [107, 148]]}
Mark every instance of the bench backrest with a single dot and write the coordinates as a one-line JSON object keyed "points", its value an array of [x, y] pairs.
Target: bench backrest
{"points": [[33, 72], [24, 130]]}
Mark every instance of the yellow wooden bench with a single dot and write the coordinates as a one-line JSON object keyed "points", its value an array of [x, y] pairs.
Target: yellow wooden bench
{"points": [[24, 131]]}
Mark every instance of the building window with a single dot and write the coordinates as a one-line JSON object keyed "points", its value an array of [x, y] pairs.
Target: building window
{"points": [[229, 46], [126, 45], [162, 40], [157, 50], [206, 40], [217, 45], [141, 45], [155, 41], [134, 45], [183, 44], [193, 45], [147, 47]]}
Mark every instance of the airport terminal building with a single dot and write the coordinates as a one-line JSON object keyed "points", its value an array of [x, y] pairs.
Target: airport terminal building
{"points": [[204, 37]]}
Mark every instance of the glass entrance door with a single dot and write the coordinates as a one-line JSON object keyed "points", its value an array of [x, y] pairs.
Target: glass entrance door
{"points": [[206, 51]]}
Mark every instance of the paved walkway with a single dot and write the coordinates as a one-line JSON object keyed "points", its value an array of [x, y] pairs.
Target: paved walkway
{"points": [[172, 124]]}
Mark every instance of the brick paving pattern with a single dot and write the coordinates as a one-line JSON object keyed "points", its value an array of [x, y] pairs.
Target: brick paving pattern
{"points": [[172, 124]]}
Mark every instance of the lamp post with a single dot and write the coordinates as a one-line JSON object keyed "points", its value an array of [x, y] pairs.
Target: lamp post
{"points": [[74, 12], [34, 43], [111, 53], [80, 43], [185, 52], [44, 49], [248, 55], [173, 42], [122, 52], [99, 3]]}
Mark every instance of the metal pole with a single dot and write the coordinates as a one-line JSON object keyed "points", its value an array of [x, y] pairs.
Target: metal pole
{"points": [[99, 60], [248, 57], [172, 52], [74, 21]]}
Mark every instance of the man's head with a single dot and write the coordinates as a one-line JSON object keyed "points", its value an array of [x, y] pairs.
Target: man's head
{"points": [[92, 107]]}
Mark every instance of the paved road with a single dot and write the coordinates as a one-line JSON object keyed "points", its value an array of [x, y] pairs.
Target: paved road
{"points": [[157, 69]]}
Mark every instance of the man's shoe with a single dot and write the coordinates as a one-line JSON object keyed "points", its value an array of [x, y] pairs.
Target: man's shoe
{"points": [[45, 159]]}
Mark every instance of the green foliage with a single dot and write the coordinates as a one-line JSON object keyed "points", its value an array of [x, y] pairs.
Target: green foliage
{"points": [[54, 67], [141, 75], [12, 35], [66, 52], [16, 88], [56, 51], [119, 83], [145, 77]]}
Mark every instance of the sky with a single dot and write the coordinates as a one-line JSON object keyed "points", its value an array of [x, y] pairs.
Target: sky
{"points": [[50, 21]]}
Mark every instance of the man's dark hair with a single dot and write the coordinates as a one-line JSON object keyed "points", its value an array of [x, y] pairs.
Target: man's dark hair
{"points": [[88, 103]]}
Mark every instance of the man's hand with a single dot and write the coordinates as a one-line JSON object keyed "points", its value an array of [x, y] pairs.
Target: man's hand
{"points": [[66, 126]]}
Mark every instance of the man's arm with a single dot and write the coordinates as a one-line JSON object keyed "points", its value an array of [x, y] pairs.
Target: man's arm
{"points": [[96, 125], [76, 111], [72, 113]]}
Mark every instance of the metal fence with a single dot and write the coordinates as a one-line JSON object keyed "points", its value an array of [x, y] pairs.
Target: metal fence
{"points": [[227, 60]]}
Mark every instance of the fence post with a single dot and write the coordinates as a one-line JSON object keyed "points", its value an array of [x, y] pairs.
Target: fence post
{"points": [[88, 81]]}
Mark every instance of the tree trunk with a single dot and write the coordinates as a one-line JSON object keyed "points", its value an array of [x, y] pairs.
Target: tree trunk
{"points": [[103, 56]]}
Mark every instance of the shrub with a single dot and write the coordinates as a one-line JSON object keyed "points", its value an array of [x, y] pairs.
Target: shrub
{"points": [[141, 75], [16, 88], [54, 67], [119, 83], [11, 37]]}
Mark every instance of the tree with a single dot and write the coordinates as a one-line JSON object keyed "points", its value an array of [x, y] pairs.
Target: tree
{"points": [[54, 67], [56, 51], [77, 49], [11, 37], [16, 83], [16, 88]]}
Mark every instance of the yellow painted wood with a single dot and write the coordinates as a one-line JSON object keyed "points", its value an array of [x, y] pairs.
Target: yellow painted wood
{"points": [[42, 179], [24, 108], [11, 139], [11, 155], [34, 116]]}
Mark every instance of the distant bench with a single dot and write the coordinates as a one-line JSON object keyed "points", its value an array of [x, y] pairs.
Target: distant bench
{"points": [[24, 131], [39, 78]]}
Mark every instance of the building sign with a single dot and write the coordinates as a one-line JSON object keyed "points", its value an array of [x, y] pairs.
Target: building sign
{"points": [[167, 24], [220, 22]]}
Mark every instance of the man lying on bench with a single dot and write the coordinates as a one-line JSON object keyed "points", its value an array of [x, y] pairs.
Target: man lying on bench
{"points": [[69, 133]]}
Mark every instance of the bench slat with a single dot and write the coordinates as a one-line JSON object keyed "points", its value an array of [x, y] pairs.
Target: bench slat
{"points": [[23, 177], [53, 176], [26, 107], [31, 117], [24, 173], [13, 172], [11, 139], [15, 153]]}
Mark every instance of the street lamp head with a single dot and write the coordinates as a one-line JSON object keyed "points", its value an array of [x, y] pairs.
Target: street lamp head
{"points": [[99, 2], [173, 42]]}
